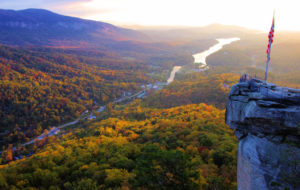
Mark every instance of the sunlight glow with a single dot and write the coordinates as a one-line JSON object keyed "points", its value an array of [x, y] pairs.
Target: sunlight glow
{"points": [[248, 13], [256, 14]]}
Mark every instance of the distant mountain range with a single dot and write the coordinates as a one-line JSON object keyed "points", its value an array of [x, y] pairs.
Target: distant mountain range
{"points": [[32, 27], [164, 33], [42, 27]]}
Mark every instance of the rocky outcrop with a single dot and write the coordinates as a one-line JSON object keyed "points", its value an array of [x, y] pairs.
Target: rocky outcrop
{"points": [[266, 120]]}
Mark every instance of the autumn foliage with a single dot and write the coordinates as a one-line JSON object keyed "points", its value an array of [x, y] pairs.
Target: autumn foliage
{"points": [[45, 87], [187, 147]]}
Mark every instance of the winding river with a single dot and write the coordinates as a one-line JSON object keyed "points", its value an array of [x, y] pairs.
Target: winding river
{"points": [[200, 58], [173, 72]]}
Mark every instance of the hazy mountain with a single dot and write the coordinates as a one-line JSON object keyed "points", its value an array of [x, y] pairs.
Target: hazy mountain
{"points": [[164, 33], [42, 27]]}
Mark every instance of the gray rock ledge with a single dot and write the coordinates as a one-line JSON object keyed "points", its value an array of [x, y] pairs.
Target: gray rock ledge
{"points": [[266, 120]]}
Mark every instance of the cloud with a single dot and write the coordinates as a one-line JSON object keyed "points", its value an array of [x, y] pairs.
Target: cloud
{"points": [[79, 8], [45, 4], [76, 8], [249, 13]]}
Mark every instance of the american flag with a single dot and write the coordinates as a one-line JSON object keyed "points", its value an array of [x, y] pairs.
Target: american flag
{"points": [[271, 36]]}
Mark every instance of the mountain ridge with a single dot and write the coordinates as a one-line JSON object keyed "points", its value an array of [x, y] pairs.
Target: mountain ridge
{"points": [[46, 28]]}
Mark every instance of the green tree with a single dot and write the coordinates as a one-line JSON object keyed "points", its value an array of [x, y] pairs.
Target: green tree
{"points": [[3, 183], [161, 169], [86, 184]]}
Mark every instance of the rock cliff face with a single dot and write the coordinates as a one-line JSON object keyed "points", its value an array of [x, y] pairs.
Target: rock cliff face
{"points": [[266, 120]]}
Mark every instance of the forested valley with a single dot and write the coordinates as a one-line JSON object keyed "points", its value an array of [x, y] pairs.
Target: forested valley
{"points": [[44, 87], [129, 146], [127, 127]]}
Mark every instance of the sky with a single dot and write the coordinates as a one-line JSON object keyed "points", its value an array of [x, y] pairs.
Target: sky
{"points": [[254, 14]]}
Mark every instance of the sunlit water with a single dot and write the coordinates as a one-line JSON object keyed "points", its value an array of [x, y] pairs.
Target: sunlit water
{"points": [[172, 75], [200, 58]]}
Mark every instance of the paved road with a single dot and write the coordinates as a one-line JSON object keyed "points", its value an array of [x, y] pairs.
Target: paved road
{"points": [[52, 131], [56, 130]]}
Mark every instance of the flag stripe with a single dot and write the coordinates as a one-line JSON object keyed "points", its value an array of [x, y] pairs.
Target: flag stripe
{"points": [[270, 36]]}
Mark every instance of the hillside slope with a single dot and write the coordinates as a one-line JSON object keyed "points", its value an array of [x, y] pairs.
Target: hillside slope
{"points": [[45, 87]]}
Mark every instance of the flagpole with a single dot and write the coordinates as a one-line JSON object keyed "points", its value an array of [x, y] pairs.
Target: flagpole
{"points": [[269, 48], [268, 60]]}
